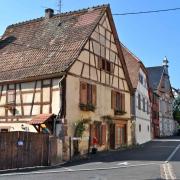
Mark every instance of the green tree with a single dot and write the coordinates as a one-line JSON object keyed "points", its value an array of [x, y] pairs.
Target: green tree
{"points": [[176, 109]]}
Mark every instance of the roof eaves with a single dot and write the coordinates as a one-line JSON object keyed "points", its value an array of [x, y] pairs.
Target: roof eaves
{"points": [[118, 43]]}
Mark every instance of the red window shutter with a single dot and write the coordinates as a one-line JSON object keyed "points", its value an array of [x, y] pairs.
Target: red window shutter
{"points": [[92, 132], [123, 102], [118, 101], [94, 95], [103, 134], [89, 94], [83, 92], [113, 99], [116, 135]]}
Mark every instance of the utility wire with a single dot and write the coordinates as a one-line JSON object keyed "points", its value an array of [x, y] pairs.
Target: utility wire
{"points": [[146, 12]]}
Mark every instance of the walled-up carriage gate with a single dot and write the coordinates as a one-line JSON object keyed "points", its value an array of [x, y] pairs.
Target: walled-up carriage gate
{"points": [[24, 149]]}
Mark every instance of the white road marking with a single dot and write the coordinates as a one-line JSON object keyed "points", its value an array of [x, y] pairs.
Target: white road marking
{"points": [[93, 163], [172, 154], [167, 171], [171, 171], [163, 146], [68, 169], [77, 170], [123, 163], [165, 140]]}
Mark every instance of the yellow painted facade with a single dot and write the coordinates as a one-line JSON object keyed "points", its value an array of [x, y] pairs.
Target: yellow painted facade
{"points": [[85, 68]]}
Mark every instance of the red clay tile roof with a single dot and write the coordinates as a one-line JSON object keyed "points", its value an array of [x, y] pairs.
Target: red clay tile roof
{"points": [[41, 118], [46, 46], [133, 66]]}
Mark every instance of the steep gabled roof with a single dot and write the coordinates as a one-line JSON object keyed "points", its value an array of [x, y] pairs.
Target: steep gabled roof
{"points": [[46, 46], [155, 74], [133, 65]]}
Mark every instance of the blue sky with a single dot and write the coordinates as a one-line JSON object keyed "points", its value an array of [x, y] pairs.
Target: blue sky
{"points": [[148, 36]]}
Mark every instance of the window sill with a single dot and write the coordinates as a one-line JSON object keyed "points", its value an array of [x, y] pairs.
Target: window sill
{"points": [[87, 107], [119, 112]]}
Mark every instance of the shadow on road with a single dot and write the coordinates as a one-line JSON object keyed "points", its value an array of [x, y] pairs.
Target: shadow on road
{"points": [[152, 151]]}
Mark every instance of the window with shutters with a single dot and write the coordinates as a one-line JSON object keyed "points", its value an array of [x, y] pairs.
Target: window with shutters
{"points": [[87, 96], [139, 101], [105, 65], [144, 105], [147, 107], [98, 130], [118, 102]]}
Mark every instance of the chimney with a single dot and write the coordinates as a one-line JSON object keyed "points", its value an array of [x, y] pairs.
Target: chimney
{"points": [[49, 13]]}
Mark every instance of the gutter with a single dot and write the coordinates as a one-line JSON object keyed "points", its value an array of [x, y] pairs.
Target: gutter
{"points": [[61, 106]]}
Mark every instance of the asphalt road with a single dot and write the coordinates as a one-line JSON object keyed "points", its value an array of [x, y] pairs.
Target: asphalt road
{"points": [[159, 159]]}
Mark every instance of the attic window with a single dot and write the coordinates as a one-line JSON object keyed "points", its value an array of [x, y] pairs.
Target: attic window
{"points": [[105, 65]]}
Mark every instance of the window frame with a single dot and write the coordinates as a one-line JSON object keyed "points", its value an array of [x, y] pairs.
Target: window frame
{"points": [[139, 101]]}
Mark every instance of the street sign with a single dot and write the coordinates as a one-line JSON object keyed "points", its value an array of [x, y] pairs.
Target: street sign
{"points": [[20, 143]]}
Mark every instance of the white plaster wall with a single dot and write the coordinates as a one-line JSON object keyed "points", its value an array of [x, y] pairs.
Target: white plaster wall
{"points": [[141, 117], [144, 135], [17, 127], [167, 124]]}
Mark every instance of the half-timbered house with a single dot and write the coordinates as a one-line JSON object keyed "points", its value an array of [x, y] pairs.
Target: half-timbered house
{"points": [[70, 65], [160, 84]]}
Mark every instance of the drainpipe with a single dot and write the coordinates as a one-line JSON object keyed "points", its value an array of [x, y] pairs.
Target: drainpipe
{"points": [[60, 104]]}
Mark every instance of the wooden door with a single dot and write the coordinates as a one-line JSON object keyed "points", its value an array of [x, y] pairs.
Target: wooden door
{"points": [[120, 135], [112, 136]]}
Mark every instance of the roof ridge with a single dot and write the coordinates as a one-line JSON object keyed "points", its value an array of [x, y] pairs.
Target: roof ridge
{"points": [[58, 15]]}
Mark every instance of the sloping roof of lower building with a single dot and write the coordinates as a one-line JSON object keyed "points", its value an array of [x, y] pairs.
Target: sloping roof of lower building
{"points": [[133, 65], [41, 118]]}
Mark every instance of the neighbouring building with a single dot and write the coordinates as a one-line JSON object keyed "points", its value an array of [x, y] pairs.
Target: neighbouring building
{"points": [[160, 84], [140, 101], [155, 125], [66, 69], [176, 92]]}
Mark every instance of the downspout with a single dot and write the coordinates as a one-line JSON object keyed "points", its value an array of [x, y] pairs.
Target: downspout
{"points": [[60, 104]]}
